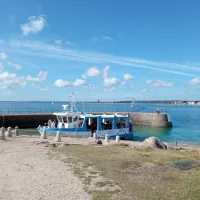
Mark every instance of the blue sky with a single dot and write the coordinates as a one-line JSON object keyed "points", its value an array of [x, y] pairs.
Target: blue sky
{"points": [[104, 50]]}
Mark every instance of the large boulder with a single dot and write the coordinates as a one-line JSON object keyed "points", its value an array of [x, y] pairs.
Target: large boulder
{"points": [[155, 143]]}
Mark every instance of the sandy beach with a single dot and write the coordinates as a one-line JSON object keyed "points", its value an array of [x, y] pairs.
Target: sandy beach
{"points": [[27, 172]]}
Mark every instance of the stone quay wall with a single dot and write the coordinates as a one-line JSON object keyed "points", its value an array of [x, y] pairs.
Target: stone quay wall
{"points": [[25, 120], [34, 120], [151, 119]]}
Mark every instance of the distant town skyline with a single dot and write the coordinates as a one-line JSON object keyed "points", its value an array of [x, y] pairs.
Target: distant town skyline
{"points": [[102, 50]]}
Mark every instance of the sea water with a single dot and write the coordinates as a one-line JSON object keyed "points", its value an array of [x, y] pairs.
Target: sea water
{"points": [[185, 119]]}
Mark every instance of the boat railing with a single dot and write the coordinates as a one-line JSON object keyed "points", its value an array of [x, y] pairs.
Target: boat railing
{"points": [[10, 111]]}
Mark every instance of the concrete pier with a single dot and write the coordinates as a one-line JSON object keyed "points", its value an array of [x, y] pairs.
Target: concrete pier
{"points": [[33, 120]]}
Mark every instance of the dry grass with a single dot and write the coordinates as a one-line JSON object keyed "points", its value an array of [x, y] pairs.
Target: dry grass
{"points": [[140, 173]]}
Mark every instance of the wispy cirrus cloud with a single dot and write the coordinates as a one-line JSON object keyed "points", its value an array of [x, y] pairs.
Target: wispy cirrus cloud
{"points": [[103, 38], [36, 48], [107, 38], [59, 42], [14, 65]]}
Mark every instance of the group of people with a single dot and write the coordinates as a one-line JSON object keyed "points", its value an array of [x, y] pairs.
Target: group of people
{"points": [[52, 124]]}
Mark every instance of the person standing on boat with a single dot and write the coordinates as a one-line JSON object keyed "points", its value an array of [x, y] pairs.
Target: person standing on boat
{"points": [[49, 123], [92, 129]]}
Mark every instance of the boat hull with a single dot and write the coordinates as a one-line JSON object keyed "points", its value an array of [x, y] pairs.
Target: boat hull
{"points": [[123, 133]]}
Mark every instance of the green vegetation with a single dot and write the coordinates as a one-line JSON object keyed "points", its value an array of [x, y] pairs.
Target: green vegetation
{"points": [[140, 173]]}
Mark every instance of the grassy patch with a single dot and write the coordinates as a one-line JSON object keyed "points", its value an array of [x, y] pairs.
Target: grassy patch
{"points": [[104, 183], [140, 173]]}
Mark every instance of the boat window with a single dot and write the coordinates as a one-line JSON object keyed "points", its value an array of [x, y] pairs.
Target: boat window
{"points": [[75, 119], [65, 119], [107, 124], [70, 119], [121, 123]]}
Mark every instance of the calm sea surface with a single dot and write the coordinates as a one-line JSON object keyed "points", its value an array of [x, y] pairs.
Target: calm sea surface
{"points": [[186, 119]]}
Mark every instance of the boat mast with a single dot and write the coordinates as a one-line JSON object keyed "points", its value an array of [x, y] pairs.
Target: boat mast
{"points": [[73, 102]]}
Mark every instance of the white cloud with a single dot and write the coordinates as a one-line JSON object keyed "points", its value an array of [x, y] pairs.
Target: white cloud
{"points": [[107, 38], [194, 81], [61, 83], [93, 71], [79, 82], [45, 89], [159, 83], [105, 71], [7, 76], [40, 77], [109, 81], [8, 80], [16, 66], [127, 77], [35, 24], [109, 89], [3, 56]]}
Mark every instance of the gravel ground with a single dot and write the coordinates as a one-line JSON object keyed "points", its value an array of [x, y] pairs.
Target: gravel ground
{"points": [[27, 172]]}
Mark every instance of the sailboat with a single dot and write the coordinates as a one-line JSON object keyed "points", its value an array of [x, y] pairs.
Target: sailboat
{"points": [[132, 104]]}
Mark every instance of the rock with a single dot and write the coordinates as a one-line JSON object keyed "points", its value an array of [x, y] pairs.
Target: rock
{"points": [[99, 142], [154, 142]]}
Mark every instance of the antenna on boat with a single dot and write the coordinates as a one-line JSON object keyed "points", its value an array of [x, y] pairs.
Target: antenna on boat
{"points": [[73, 102]]}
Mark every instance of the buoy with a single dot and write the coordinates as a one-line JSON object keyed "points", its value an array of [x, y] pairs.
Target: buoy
{"points": [[44, 134], [57, 138], [9, 132], [16, 130], [106, 138], [2, 133], [117, 138], [95, 135]]}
